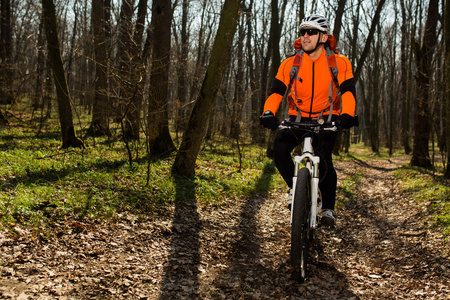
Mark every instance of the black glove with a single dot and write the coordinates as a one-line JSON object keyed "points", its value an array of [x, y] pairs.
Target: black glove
{"points": [[347, 121], [268, 120]]}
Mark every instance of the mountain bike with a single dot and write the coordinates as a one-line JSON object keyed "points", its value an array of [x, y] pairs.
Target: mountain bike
{"points": [[306, 196]]}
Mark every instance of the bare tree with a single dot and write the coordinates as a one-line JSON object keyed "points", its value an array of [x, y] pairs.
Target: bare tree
{"points": [[183, 51], [40, 68], [123, 61], [424, 56], [133, 109], [160, 141], [5, 53], [404, 80], [375, 21], [447, 81], [338, 19], [275, 31], [184, 164], [69, 137], [99, 124]]}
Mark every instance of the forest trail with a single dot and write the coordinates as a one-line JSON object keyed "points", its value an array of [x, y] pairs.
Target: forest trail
{"points": [[379, 250]]}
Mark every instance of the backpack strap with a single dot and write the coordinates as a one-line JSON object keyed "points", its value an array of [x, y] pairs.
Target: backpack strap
{"points": [[333, 69], [332, 65], [296, 65]]}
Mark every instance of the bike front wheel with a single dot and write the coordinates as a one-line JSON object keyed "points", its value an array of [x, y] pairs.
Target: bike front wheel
{"points": [[300, 225]]}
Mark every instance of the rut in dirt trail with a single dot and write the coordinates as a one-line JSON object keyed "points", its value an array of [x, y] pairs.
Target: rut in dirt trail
{"points": [[379, 250]]}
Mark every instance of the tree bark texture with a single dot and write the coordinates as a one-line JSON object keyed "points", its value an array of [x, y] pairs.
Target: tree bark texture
{"points": [[40, 68], [424, 56], [100, 124], [374, 99], [338, 19], [404, 81], [184, 164], [3, 120], [447, 82], [69, 138], [182, 91], [132, 117], [123, 62], [255, 112], [275, 31], [6, 72], [160, 141]]}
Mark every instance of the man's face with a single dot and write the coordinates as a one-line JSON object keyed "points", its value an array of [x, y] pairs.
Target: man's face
{"points": [[309, 38]]}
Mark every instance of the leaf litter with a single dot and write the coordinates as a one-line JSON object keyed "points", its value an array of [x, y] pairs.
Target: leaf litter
{"points": [[379, 250]]}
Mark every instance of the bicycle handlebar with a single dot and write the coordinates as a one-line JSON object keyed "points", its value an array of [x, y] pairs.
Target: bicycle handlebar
{"points": [[330, 126]]}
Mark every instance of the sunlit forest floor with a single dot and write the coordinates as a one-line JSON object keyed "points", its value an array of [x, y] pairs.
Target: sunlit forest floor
{"points": [[91, 224]]}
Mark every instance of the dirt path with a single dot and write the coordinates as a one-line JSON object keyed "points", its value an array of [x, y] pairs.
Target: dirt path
{"points": [[379, 250]]}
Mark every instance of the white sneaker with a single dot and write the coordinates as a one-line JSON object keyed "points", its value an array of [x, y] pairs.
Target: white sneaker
{"points": [[328, 218]]}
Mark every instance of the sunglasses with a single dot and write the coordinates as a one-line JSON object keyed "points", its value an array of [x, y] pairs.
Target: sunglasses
{"points": [[309, 31]]}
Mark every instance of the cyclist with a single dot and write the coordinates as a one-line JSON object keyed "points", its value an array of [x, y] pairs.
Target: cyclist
{"points": [[309, 99]]}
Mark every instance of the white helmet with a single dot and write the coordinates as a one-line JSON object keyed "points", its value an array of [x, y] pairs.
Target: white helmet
{"points": [[316, 21]]}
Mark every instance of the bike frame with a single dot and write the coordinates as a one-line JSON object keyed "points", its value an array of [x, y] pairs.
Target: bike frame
{"points": [[312, 163], [306, 221]]}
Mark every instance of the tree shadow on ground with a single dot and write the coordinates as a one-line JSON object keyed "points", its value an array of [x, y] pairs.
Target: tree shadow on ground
{"points": [[367, 165], [248, 246], [398, 243], [250, 276], [181, 272]]}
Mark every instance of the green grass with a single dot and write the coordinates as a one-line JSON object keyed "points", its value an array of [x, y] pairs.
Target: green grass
{"points": [[347, 188], [361, 152], [430, 191], [41, 184]]}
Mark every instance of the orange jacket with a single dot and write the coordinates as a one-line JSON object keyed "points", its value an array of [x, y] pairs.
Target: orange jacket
{"points": [[312, 89]]}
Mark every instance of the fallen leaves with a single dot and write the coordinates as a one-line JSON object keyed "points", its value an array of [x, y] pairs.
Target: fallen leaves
{"points": [[238, 251]]}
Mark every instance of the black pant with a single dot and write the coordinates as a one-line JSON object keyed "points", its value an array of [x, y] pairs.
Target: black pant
{"points": [[323, 143]]}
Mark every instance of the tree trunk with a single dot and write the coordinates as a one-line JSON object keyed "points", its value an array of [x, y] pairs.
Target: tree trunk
{"points": [[240, 87], [133, 115], [404, 80], [275, 32], [123, 62], [40, 68], [369, 39], [343, 138], [199, 66], [184, 164], [301, 13], [182, 91], [48, 90], [447, 82], [160, 141], [424, 56], [72, 47], [338, 20], [6, 95], [99, 123], [391, 114], [69, 138], [3, 120], [255, 127], [264, 78]]}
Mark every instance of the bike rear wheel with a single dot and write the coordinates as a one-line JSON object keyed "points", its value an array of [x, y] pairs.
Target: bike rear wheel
{"points": [[300, 226]]}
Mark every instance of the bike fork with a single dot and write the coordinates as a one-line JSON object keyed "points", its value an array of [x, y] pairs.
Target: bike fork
{"points": [[312, 163]]}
